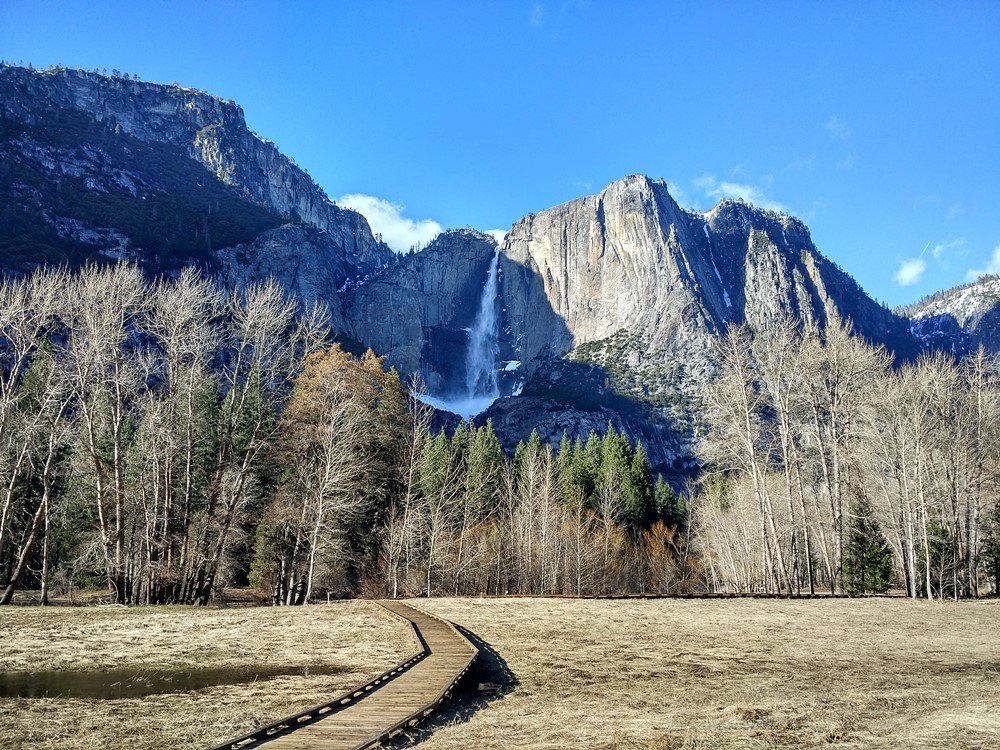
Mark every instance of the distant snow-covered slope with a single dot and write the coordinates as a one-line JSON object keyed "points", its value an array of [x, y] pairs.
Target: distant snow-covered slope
{"points": [[959, 319]]}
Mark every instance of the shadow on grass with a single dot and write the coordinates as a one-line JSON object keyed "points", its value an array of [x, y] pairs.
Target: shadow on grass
{"points": [[490, 680]]}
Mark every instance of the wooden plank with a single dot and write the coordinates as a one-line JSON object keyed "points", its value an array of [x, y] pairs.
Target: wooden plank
{"points": [[371, 713]]}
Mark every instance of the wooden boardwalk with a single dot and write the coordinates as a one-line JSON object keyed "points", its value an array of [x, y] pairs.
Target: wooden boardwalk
{"points": [[395, 700]]}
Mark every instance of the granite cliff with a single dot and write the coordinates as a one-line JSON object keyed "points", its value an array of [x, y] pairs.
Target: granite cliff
{"points": [[631, 259], [417, 312], [614, 302], [96, 166]]}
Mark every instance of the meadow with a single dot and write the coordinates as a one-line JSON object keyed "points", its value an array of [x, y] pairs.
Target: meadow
{"points": [[357, 638], [666, 674], [671, 674]]}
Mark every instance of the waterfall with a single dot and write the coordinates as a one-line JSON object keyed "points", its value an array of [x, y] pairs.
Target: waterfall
{"points": [[481, 387], [484, 349]]}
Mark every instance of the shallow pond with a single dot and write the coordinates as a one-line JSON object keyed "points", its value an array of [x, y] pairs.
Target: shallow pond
{"points": [[137, 682]]}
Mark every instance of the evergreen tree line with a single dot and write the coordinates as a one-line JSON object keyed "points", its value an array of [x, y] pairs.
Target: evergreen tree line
{"points": [[584, 518], [830, 468]]}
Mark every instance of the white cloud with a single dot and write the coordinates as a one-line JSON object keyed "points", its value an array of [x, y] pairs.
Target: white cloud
{"points": [[750, 193], [993, 267], [910, 271], [537, 15], [837, 128], [939, 250], [386, 218], [497, 234]]}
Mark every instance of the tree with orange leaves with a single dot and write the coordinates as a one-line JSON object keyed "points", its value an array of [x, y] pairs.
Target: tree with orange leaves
{"points": [[339, 443]]}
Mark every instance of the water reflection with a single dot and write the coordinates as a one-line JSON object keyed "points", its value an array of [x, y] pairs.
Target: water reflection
{"points": [[135, 683]]}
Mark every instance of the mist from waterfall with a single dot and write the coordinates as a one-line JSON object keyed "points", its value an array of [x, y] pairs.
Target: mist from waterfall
{"points": [[482, 385]]}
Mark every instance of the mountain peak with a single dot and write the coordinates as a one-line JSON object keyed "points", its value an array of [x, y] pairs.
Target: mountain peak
{"points": [[470, 233], [733, 208], [631, 259], [740, 207]]}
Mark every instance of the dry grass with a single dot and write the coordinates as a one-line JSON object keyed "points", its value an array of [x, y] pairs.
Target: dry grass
{"points": [[669, 674], [354, 635]]}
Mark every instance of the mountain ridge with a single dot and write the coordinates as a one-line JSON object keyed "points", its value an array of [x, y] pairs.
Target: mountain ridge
{"points": [[136, 131], [960, 318], [614, 302]]}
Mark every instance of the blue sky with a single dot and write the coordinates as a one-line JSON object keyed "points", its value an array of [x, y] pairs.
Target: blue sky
{"points": [[878, 124]]}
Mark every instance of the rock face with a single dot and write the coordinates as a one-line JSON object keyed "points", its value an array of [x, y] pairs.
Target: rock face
{"points": [[614, 303], [416, 313], [308, 262], [630, 259], [129, 142], [609, 309], [959, 319]]}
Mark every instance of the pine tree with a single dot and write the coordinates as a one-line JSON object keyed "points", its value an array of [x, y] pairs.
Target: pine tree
{"points": [[616, 459], [485, 465], [460, 442], [567, 465], [867, 557], [435, 460], [589, 465], [531, 448], [534, 443], [638, 490], [564, 458], [519, 452], [669, 507]]}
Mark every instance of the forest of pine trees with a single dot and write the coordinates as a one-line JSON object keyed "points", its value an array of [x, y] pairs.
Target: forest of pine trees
{"points": [[584, 518], [164, 439]]}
